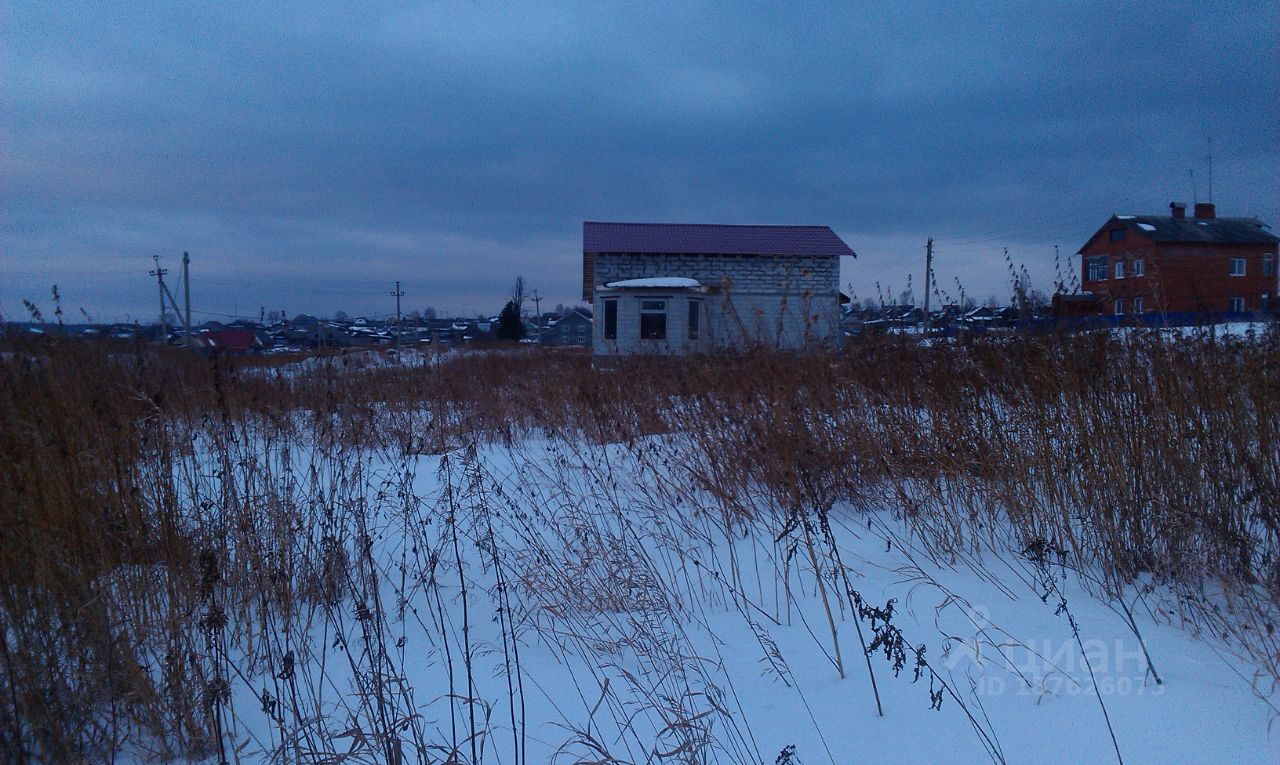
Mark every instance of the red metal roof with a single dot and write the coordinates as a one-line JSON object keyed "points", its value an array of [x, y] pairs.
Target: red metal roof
{"points": [[238, 340], [711, 239]]}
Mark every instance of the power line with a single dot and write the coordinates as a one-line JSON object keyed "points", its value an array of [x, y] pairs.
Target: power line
{"points": [[1024, 226], [216, 313], [996, 242], [122, 271], [1014, 234], [345, 286]]}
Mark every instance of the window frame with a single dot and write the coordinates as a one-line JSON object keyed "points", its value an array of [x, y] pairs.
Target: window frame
{"points": [[653, 319], [1119, 269], [1095, 268], [694, 329], [1138, 269], [1119, 307], [1231, 268], [1137, 305], [1116, 235], [1232, 302], [1268, 264], [609, 327]]}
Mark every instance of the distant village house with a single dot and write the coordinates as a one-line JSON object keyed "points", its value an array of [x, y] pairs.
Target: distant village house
{"points": [[667, 288], [1174, 264], [574, 328]]}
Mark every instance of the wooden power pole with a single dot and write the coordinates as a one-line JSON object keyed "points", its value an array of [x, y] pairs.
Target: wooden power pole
{"points": [[537, 319], [928, 279], [186, 298], [399, 293], [159, 273]]}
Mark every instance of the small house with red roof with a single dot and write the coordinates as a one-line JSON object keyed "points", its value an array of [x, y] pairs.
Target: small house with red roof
{"points": [[676, 288], [1174, 264], [233, 340]]}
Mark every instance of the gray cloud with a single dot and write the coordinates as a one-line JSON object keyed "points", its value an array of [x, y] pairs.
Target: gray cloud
{"points": [[308, 156]]}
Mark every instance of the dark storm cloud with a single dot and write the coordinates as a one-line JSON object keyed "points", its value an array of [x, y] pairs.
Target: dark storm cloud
{"points": [[310, 155]]}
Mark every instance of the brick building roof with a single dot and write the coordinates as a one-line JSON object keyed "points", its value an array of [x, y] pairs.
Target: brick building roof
{"points": [[1165, 228], [711, 239]]}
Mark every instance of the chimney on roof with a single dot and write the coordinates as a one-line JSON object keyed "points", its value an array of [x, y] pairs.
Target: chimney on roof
{"points": [[1178, 209], [1204, 210]]}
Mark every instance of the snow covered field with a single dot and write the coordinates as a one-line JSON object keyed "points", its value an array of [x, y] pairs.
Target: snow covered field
{"points": [[646, 631], [1023, 550]]}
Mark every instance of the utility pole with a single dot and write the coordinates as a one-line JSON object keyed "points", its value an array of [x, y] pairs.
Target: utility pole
{"points": [[186, 298], [399, 293], [538, 319], [928, 279], [159, 273]]}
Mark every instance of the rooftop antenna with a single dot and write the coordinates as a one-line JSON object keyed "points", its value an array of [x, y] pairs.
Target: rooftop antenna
{"points": [[1210, 158], [1194, 197]]}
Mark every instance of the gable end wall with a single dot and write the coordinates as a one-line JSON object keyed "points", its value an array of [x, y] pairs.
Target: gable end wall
{"points": [[781, 301]]}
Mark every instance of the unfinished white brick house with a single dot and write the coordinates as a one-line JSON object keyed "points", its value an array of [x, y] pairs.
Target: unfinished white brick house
{"points": [[676, 288]]}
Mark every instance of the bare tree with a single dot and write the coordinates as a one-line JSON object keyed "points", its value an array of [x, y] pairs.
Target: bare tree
{"points": [[518, 295]]}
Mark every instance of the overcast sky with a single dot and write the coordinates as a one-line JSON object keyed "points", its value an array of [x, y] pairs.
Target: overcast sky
{"points": [[309, 155]]}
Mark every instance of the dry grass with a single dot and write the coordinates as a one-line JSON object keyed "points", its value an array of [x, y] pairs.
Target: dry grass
{"points": [[155, 520]]}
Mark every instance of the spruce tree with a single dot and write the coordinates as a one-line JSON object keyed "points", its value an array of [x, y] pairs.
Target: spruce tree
{"points": [[510, 327]]}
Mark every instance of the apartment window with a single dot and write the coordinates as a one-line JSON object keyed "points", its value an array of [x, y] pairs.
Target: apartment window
{"points": [[611, 320], [1119, 269], [1137, 305], [1268, 265], [1235, 304], [1237, 267], [1095, 269], [1137, 268], [695, 319], [1119, 307], [1265, 302], [1117, 235], [653, 320]]}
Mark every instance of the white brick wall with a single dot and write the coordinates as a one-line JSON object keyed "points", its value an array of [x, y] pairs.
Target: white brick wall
{"points": [[785, 302]]}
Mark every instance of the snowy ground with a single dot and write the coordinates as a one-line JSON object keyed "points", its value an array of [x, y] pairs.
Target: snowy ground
{"points": [[647, 633]]}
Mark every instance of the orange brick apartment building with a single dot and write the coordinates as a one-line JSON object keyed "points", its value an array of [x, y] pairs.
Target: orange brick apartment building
{"points": [[1139, 264]]}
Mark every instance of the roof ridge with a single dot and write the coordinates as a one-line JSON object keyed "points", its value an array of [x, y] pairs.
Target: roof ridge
{"points": [[712, 238], [1246, 218], [705, 225]]}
